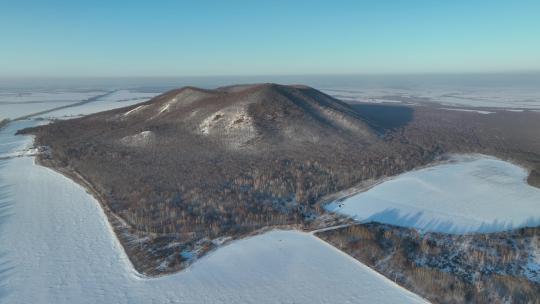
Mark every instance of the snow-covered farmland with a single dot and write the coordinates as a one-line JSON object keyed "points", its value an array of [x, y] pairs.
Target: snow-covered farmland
{"points": [[472, 193], [117, 99], [460, 96], [16, 104], [46, 96], [128, 95]]}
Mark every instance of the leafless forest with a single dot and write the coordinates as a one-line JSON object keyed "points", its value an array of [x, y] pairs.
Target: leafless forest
{"points": [[444, 268]]}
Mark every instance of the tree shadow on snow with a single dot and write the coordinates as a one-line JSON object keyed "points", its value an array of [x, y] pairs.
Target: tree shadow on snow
{"points": [[6, 204], [419, 221]]}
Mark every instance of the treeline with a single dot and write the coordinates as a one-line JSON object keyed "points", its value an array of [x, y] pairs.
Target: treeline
{"points": [[443, 268]]}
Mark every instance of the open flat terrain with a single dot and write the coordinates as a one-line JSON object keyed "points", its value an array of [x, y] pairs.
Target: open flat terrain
{"points": [[473, 193]]}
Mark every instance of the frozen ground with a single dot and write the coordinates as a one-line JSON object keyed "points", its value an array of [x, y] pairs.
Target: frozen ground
{"points": [[56, 246], [15, 104], [118, 99], [45, 96], [500, 97], [471, 194], [128, 95]]}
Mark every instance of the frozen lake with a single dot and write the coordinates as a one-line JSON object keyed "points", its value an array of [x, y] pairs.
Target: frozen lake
{"points": [[56, 246], [470, 194]]}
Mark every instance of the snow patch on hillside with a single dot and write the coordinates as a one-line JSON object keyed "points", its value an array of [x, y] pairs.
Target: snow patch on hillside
{"points": [[469, 110], [189, 95], [165, 107], [233, 125], [135, 110], [141, 139], [184, 98]]}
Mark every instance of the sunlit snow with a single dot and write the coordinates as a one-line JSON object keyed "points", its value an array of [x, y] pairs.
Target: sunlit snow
{"points": [[458, 96], [117, 99], [16, 104], [470, 194]]}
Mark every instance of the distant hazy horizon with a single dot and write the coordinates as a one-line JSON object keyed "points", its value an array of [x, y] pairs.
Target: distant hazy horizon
{"points": [[524, 79], [507, 90]]}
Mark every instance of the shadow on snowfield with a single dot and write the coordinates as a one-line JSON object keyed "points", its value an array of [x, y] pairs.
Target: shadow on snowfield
{"points": [[420, 220], [5, 212]]}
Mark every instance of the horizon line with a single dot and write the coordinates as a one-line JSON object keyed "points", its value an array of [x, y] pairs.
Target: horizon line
{"points": [[514, 72]]}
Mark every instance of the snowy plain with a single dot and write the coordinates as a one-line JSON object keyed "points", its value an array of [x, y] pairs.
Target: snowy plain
{"points": [[471, 193], [15, 104], [499, 98], [56, 246], [45, 96], [117, 99]]}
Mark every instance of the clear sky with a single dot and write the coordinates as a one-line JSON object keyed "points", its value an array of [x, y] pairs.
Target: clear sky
{"points": [[190, 38]]}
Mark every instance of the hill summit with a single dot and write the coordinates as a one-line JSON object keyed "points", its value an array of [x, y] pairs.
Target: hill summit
{"points": [[249, 117]]}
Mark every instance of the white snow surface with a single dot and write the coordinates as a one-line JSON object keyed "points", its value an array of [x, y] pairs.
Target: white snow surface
{"points": [[135, 110], [472, 111], [14, 105], [125, 95], [15, 110], [472, 193], [17, 104], [490, 97], [117, 99], [46, 95], [140, 139], [56, 246]]}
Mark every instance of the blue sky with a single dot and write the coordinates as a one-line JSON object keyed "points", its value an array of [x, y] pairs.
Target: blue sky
{"points": [[197, 38]]}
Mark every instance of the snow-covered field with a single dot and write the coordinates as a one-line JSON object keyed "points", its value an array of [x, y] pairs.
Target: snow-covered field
{"points": [[56, 246], [118, 99], [16, 104], [470, 194], [45, 96], [503, 98], [15, 110]]}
